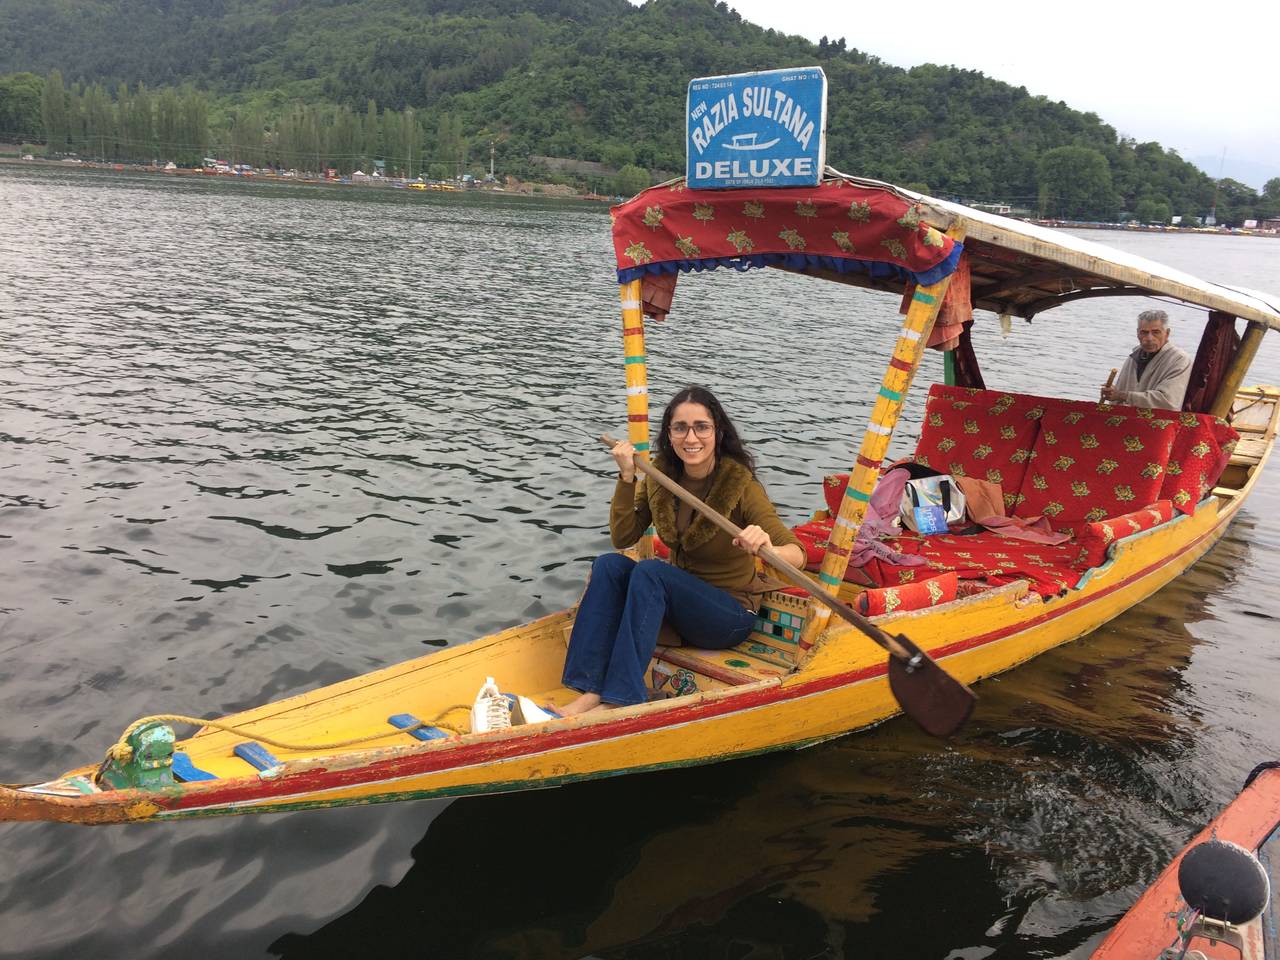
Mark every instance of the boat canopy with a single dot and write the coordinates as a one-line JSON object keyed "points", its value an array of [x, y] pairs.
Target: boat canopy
{"points": [[872, 234], [838, 226]]}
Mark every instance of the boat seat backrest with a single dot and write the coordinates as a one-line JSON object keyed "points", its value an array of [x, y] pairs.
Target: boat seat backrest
{"points": [[1086, 467], [984, 433], [776, 636], [980, 434]]}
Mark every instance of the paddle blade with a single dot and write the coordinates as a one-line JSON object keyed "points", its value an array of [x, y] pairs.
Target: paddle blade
{"points": [[928, 694]]}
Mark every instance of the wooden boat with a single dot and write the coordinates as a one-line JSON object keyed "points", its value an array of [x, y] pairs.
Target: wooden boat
{"points": [[400, 732], [1213, 901]]}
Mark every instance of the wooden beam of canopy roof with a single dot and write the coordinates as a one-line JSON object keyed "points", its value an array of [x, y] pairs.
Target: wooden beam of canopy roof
{"points": [[1024, 269], [1092, 269]]}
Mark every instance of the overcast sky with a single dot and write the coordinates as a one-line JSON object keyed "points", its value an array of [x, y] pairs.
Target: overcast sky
{"points": [[1198, 78]]}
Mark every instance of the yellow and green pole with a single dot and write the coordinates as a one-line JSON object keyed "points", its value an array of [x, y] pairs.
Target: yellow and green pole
{"points": [[907, 352], [637, 378]]}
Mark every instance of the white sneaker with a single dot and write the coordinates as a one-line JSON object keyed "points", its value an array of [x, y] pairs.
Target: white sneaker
{"points": [[492, 709]]}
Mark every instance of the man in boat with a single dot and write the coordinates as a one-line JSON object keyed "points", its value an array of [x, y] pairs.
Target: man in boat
{"points": [[1156, 373]]}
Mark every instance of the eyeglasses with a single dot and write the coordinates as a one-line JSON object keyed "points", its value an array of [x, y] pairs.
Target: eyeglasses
{"points": [[700, 429]]}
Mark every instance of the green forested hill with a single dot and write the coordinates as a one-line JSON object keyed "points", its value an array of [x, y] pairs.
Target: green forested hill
{"points": [[599, 80]]}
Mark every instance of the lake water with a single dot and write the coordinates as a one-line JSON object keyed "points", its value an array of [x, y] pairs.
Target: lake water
{"points": [[257, 439]]}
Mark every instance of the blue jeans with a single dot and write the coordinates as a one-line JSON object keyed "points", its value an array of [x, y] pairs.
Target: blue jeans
{"points": [[617, 626]]}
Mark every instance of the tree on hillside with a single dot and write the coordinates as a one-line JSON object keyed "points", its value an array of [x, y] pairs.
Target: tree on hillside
{"points": [[1075, 184], [167, 125], [53, 110], [20, 107], [410, 144], [371, 134], [1268, 206], [193, 127], [449, 150], [137, 124], [631, 180], [1234, 202], [1152, 210], [549, 77]]}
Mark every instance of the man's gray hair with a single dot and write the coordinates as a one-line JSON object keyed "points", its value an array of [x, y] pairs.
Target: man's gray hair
{"points": [[1157, 316]]}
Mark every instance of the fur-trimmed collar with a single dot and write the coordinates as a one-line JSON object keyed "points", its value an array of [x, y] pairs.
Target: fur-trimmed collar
{"points": [[729, 481]]}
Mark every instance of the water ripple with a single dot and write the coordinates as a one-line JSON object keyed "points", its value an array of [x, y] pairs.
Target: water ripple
{"points": [[255, 440]]}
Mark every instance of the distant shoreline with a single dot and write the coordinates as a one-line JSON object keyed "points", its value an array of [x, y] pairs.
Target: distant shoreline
{"points": [[1142, 228], [544, 191]]}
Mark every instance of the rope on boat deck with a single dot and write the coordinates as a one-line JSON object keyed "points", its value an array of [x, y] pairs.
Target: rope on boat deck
{"points": [[123, 753]]}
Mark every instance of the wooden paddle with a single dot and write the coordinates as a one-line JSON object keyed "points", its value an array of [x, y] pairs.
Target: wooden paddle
{"points": [[929, 695], [1111, 378]]}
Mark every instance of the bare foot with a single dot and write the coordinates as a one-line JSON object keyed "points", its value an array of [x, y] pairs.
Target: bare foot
{"points": [[588, 701]]}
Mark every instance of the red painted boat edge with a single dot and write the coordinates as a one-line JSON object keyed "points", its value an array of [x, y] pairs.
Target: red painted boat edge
{"points": [[1149, 925]]}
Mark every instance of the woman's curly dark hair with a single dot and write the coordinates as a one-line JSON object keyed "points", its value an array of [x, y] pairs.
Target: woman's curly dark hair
{"points": [[728, 443]]}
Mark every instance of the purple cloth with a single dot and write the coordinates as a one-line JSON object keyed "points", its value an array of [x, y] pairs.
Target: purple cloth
{"points": [[882, 510]]}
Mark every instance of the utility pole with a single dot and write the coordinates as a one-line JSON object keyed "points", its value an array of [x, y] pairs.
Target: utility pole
{"points": [[1212, 219], [491, 143]]}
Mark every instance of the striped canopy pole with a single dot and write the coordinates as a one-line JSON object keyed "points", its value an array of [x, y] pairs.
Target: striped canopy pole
{"points": [[637, 379], [907, 352]]}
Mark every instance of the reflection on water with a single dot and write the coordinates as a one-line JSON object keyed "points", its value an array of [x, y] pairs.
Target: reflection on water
{"points": [[258, 439], [1026, 821]]}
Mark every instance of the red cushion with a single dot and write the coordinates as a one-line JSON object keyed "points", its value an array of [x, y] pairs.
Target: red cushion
{"points": [[1095, 538], [1200, 450], [833, 487], [1200, 454], [1090, 466], [989, 557], [979, 433], [660, 549], [813, 536], [911, 596], [948, 392]]}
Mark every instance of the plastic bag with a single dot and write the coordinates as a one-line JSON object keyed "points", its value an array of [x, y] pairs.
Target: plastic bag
{"points": [[929, 504]]}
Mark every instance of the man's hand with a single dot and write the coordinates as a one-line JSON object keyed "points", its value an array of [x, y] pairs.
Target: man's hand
{"points": [[1112, 395]]}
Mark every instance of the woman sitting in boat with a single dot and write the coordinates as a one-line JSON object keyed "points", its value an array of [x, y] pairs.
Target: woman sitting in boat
{"points": [[709, 590]]}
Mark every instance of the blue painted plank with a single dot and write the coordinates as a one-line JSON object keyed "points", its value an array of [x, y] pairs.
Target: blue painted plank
{"points": [[188, 772], [256, 755]]}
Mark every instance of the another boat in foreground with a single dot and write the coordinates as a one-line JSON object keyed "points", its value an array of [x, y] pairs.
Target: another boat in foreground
{"points": [[1216, 899], [1144, 496]]}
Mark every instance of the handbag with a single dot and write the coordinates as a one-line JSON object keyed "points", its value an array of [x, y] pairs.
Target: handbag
{"points": [[929, 504]]}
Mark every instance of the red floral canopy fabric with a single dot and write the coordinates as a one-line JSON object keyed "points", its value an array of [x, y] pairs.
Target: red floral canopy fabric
{"points": [[837, 225]]}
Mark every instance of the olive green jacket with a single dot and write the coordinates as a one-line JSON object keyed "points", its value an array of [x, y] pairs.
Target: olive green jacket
{"points": [[704, 550]]}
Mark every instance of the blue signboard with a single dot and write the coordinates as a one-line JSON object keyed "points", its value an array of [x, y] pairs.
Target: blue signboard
{"points": [[766, 129]]}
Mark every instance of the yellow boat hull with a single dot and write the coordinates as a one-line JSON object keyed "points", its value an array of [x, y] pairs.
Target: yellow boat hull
{"points": [[841, 687]]}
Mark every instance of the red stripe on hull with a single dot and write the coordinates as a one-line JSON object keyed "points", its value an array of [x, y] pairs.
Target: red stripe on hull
{"points": [[219, 792]]}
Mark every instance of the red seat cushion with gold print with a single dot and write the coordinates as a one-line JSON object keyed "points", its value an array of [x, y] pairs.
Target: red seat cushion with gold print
{"points": [[1200, 454], [833, 487], [1095, 538], [995, 560], [1201, 447], [983, 434], [814, 536], [1090, 466], [909, 596]]}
